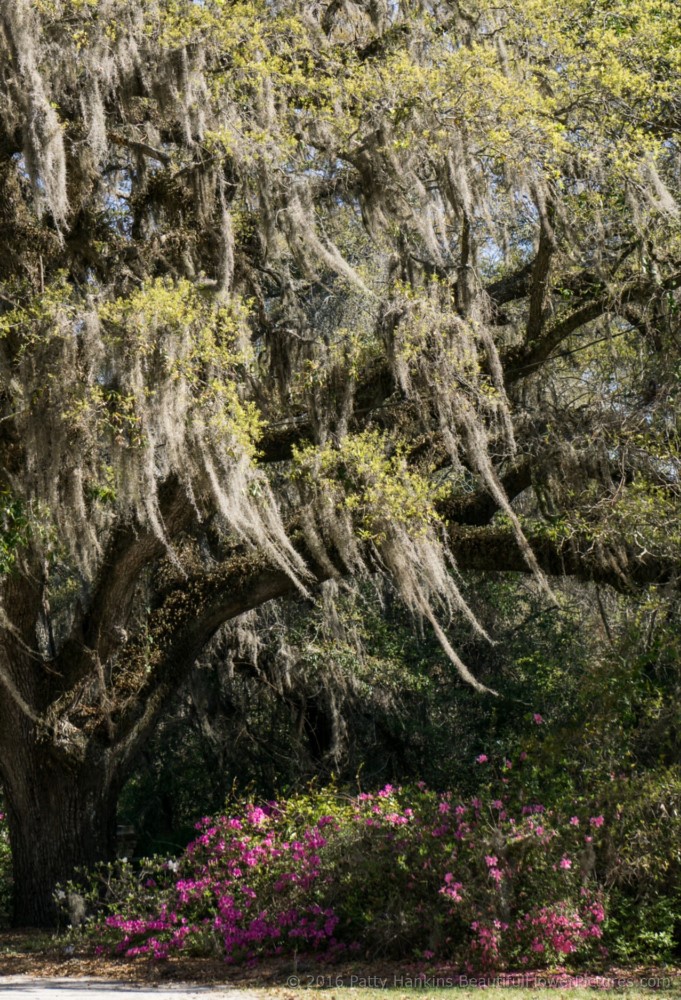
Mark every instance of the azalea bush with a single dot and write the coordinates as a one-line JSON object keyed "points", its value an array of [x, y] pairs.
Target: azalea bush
{"points": [[406, 872]]}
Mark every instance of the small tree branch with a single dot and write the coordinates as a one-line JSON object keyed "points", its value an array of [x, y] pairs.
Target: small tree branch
{"points": [[533, 355], [140, 147]]}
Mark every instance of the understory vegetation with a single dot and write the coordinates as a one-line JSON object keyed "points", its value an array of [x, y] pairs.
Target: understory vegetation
{"points": [[400, 872], [535, 829], [497, 881]]}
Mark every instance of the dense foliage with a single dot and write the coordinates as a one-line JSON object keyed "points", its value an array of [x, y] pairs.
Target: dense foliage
{"points": [[481, 884], [401, 872], [303, 292], [302, 693], [601, 672]]}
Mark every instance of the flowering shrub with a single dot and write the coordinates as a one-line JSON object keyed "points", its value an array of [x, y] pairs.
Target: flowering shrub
{"points": [[405, 871]]}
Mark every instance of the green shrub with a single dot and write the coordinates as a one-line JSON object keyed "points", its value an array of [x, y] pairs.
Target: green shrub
{"points": [[643, 867], [405, 872]]}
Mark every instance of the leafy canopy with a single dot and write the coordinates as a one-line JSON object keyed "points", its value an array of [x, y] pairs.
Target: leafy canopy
{"points": [[350, 235]]}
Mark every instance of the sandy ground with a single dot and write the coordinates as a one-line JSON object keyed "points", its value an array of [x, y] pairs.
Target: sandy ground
{"points": [[30, 988]]}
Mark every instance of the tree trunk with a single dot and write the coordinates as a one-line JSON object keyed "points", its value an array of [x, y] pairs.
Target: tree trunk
{"points": [[61, 816]]}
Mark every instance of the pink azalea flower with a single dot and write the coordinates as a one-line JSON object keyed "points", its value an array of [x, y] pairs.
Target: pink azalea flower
{"points": [[574, 821], [537, 719], [597, 821], [481, 759], [565, 862]]}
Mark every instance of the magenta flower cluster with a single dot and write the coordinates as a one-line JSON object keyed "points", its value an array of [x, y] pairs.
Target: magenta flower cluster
{"points": [[407, 871]]}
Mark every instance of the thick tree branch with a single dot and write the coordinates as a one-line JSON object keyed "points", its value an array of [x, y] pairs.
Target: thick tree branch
{"points": [[180, 630], [129, 550], [193, 612], [511, 287], [540, 280], [495, 549], [533, 354], [140, 147], [479, 507]]}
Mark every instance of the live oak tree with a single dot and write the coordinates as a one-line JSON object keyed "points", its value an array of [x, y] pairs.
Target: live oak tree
{"points": [[295, 291]]}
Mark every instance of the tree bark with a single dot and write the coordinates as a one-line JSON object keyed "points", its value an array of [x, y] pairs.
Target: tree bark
{"points": [[61, 816]]}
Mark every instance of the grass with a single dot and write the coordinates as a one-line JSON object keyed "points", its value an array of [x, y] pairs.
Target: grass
{"points": [[490, 993], [439, 986]]}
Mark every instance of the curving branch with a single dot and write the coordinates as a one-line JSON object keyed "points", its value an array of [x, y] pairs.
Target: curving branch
{"points": [[129, 551], [195, 609], [180, 629]]}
